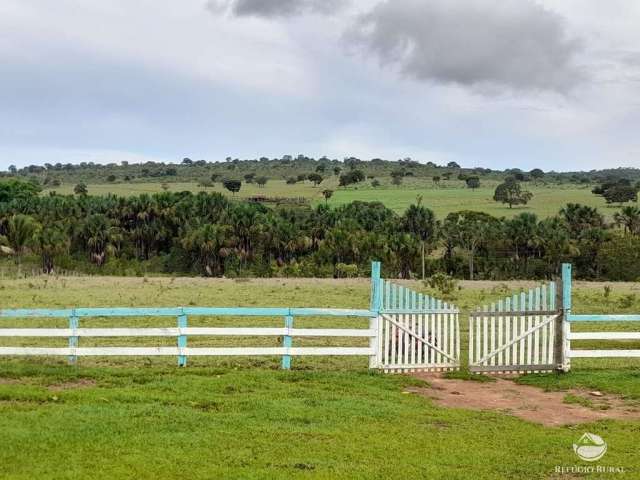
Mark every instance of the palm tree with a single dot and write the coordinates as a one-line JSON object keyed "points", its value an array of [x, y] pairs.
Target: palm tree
{"points": [[210, 244], [100, 237], [20, 232], [629, 217], [421, 222], [50, 240]]}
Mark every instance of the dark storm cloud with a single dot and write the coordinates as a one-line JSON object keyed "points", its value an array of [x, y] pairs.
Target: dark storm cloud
{"points": [[276, 8], [478, 43]]}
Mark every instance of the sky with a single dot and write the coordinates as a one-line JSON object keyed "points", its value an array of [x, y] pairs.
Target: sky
{"points": [[491, 83]]}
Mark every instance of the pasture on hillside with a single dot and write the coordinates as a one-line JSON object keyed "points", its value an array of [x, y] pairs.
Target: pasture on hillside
{"points": [[245, 418], [449, 196]]}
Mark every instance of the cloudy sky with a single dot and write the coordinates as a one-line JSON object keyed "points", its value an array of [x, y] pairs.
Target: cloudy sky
{"points": [[494, 83]]}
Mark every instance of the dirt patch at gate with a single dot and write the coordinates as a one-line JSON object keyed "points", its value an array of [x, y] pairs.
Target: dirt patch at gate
{"points": [[526, 402]]}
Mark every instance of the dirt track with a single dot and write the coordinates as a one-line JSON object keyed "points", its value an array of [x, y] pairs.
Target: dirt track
{"points": [[523, 401]]}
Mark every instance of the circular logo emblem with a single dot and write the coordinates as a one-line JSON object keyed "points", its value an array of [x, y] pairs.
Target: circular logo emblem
{"points": [[590, 447]]}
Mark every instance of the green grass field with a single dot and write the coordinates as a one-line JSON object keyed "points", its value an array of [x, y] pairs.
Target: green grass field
{"points": [[448, 197], [245, 418]]}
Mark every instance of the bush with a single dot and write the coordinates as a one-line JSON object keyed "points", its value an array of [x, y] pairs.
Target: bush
{"points": [[344, 270], [442, 282]]}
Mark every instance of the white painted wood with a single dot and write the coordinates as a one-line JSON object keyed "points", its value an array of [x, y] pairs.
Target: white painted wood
{"points": [[485, 336], [435, 347], [458, 335], [192, 331], [35, 351], [523, 327], [545, 330], [472, 356], [507, 333], [604, 353], [519, 338], [492, 339], [604, 336], [529, 319], [500, 333], [172, 351]]}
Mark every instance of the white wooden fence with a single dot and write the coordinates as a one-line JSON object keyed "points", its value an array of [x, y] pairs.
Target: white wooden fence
{"points": [[182, 332]]}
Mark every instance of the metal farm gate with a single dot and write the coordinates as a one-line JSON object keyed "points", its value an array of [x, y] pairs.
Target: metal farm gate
{"points": [[518, 334], [415, 332]]}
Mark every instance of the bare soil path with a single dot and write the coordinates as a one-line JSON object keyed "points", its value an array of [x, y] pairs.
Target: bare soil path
{"points": [[526, 402]]}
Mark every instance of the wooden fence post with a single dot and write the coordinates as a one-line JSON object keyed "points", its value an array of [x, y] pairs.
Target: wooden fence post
{"points": [[73, 338], [287, 341], [182, 340], [375, 305], [562, 345]]}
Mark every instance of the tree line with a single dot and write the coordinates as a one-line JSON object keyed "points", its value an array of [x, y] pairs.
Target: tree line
{"points": [[212, 235]]}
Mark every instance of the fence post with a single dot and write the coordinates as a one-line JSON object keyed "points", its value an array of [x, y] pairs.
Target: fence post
{"points": [[375, 305], [73, 338], [182, 340], [563, 327], [286, 343]]}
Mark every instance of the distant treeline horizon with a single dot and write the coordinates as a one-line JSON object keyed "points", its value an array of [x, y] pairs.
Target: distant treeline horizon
{"points": [[286, 166]]}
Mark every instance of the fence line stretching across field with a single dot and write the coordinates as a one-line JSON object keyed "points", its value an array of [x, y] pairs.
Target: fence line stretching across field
{"points": [[181, 332], [407, 331]]}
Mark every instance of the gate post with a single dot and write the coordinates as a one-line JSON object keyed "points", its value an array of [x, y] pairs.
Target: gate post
{"points": [[182, 340], [287, 341], [74, 322], [562, 346], [374, 306]]}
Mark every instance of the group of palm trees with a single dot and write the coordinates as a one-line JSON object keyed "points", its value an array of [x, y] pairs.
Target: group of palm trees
{"points": [[209, 234]]}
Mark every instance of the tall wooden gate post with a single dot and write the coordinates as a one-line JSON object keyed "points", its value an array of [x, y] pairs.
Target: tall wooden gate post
{"points": [[374, 322], [563, 327]]}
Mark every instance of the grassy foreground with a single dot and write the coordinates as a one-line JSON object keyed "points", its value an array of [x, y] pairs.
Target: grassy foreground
{"points": [[244, 418]]}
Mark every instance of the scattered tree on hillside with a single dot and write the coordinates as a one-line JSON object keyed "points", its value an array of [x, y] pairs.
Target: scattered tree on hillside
{"points": [[375, 183], [214, 177], [249, 177], [336, 171], [232, 185], [291, 181], [327, 194], [111, 178], [621, 194], [354, 176], [397, 176], [261, 181], [511, 192], [473, 182], [536, 174], [315, 178], [436, 180], [80, 189]]}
